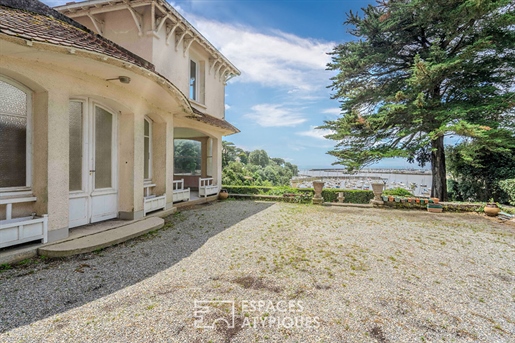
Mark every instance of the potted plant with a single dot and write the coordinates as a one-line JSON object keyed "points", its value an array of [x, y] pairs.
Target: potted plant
{"points": [[434, 208], [491, 208]]}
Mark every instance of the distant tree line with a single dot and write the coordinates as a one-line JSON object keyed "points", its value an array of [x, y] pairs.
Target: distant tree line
{"points": [[254, 168], [187, 156]]}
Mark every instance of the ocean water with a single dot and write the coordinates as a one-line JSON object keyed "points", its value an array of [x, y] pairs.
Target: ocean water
{"points": [[361, 180]]}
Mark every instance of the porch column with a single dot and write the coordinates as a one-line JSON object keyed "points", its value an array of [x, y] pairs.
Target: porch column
{"points": [[203, 158], [52, 113], [159, 148], [217, 161], [169, 163], [126, 170]]}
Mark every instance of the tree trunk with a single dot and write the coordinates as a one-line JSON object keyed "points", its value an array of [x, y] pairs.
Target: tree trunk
{"points": [[439, 185]]}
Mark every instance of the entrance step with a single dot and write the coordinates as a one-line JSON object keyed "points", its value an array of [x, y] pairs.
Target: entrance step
{"points": [[102, 239]]}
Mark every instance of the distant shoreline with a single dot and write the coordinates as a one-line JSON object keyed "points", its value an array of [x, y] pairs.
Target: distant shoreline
{"points": [[318, 172]]}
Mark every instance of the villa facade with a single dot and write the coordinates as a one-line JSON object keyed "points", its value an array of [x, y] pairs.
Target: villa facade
{"points": [[92, 96]]}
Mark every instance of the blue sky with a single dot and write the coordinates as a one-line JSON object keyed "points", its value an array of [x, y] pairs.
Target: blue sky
{"points": [[280, 47]]}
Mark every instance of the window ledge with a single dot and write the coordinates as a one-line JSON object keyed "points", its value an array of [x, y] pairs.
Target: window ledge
{"points": [[15, 192], [16, 199]]}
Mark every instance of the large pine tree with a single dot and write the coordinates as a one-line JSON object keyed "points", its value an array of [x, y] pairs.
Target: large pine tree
{"points": [[421, 70]]}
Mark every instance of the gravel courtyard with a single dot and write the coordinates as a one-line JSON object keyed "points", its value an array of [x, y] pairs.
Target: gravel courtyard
{"points": [[288, 273]]}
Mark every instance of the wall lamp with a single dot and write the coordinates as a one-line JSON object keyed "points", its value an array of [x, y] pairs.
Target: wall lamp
{"points": [[122, 79]]}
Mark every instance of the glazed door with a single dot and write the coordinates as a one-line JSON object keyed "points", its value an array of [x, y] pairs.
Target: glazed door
{"points": [[93, 187]]}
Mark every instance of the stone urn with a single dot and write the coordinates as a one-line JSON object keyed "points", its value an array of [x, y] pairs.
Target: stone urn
{"points": [[318, 186], [341, 197], [377, 188]]}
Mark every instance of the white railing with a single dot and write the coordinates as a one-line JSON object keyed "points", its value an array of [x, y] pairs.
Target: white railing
{"points": [[152, 202], [23, 229], [206, 187], [179, 192]]}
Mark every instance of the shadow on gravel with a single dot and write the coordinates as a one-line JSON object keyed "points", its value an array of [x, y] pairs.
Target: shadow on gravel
{"points": [[39, 288]]}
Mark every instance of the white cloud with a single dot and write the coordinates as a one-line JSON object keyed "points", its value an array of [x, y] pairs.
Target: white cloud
{"points": [[270, 59], [334, 111], [227, 107], [53, 3], [273, 115], [313, 132]]}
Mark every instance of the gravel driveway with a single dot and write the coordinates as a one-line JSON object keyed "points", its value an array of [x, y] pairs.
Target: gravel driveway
{"points": [[244, 271]]}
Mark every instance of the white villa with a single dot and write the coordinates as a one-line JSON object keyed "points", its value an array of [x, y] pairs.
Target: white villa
{"points": [[92, 96]]}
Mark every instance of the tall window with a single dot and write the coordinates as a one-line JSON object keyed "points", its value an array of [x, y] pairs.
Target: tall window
{"points": [[193, 80], [75, 156], [148, 149], [15, 154]]}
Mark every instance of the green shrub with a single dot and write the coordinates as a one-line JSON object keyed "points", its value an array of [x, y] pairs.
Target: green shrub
{"points": [[247, 189], [509, 187], [329, 195], [351, 196], [401, 192]]}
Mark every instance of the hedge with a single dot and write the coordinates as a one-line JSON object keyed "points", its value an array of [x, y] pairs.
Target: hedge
{"points": [[329, 195], [352, 196], [509, 187]]}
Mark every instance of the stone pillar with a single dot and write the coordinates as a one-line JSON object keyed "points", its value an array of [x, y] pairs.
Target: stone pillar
{"points": [[126, 163], [203, 158], [159, 146], [57, 182], [318, 186]]}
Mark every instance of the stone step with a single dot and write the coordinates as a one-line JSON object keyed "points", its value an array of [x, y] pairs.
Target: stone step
{"points": [[102, 239]]}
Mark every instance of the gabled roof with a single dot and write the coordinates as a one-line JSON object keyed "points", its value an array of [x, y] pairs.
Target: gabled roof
{"points": [[32, 20], [166, 14], [35, 22]]}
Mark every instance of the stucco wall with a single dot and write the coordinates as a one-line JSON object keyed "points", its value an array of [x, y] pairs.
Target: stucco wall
{"points": [[170, 62], [55, 79]]}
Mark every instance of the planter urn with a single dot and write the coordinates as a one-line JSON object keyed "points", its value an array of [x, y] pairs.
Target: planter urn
{"points": [[318, 186], [377, 188], [492, 210], [223, 194], [340, 197]]}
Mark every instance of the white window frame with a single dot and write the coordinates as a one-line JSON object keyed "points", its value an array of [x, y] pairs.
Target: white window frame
{"points": [[195, 95], [92, 103], [150, 148], [85, 143], [88, 134], [27, 189]]}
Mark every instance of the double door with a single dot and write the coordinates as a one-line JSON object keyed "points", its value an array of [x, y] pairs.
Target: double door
{"points": [[93, 163]]}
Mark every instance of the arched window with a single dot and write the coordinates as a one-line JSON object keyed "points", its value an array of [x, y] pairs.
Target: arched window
{"points": [[15, 136]]}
